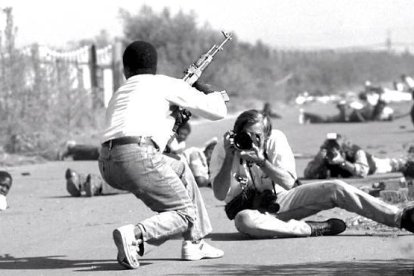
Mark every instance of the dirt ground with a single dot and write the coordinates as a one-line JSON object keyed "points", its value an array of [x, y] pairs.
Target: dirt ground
{"points": [[47, 232]]}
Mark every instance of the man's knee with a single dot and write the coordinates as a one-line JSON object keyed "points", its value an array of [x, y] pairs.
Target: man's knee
{"points": [[244, 221], [335, 188], [177, 165], [188, 214]]}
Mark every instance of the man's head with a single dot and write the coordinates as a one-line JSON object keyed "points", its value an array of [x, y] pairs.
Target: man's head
{"points": [[332, 144], [139, 57], [6, 182], [256, 124]]}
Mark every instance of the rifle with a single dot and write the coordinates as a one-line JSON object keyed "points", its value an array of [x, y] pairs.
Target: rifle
{"points": [[192, 74]]}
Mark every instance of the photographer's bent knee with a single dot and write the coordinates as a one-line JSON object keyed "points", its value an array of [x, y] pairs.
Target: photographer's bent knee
{"points": [[334, 187], [244, 221]]}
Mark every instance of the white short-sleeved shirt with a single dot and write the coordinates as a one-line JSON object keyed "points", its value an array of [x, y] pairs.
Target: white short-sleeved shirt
{"points": [[278, 152], [141, 107]]}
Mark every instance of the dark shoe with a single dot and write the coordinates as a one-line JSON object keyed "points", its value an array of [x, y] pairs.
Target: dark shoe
{"points": [[92, 186], [329, 227], [407, 219], [72, 183]]}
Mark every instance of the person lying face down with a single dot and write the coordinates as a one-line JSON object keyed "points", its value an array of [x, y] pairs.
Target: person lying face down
{"points": [[338, 157]]}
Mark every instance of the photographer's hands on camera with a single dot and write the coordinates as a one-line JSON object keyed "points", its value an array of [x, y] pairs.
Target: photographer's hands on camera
{"points": [[254, 155], [332, 157]]}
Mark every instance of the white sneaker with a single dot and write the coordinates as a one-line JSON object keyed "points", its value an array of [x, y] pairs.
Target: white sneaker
{"points": [[126, 243], [192, 251]]}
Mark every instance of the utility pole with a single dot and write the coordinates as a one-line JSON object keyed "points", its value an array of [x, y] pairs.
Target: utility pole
{"points": [[388, 42]]}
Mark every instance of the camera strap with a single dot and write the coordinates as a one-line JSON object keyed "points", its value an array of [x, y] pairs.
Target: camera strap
{"points": [[252, 176]]}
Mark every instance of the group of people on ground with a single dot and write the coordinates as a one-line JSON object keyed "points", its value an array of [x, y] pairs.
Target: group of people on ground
{"points": [[252, 169], [370, 106]]}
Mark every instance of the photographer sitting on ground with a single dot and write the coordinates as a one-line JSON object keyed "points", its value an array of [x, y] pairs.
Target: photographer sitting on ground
{"points": [[265, 162], [337, 157]]}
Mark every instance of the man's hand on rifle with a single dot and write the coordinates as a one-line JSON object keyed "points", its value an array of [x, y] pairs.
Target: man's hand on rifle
{"points": [[203, 87], [208, 88]]}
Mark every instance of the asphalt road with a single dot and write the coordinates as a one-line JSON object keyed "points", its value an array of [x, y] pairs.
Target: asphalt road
{"points": [[47, 232]]}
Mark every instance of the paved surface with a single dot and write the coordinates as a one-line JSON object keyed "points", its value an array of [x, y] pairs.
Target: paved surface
{"points": [[46, 232]]}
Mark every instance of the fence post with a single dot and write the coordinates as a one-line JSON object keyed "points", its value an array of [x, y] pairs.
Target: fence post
{"points": [[93, 66], [118, 76]]}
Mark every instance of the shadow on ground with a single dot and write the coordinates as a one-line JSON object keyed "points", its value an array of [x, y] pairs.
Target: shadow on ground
{"points": [[8, 262], [400, 267], [235, 236]]}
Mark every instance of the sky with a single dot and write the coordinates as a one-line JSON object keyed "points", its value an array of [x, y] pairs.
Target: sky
{"points": [[284, 24]]}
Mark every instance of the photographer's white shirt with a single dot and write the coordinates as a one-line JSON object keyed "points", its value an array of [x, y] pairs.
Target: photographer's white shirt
{"points": [[141, 107], [278, 152]]}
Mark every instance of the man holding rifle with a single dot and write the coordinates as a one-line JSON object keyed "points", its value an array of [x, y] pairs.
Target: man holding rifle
{"points": [[138, 126]]}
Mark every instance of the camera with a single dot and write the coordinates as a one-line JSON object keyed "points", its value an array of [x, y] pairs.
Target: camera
{"points": [[242, 140], [330, 154], [267, 202]]}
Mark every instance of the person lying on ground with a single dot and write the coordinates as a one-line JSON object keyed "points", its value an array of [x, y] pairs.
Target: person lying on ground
{"points": [[349, 114], [6, 182], [409, 82], [199, 161], [79, 152], [78, 184], [338, 157], [257, 162]]}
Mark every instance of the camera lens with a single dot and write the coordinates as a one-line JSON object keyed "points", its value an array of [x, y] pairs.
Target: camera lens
{"points": [[243, 141]]}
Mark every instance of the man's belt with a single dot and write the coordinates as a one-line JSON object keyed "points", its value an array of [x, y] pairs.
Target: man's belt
{"points": [[140, 140]]}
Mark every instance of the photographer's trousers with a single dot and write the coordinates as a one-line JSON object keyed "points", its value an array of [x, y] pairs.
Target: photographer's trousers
{"points": [[309, 199], [164, 184]]}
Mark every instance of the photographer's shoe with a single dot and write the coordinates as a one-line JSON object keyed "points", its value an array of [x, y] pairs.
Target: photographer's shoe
{"points": [[407, 219], [126, 243], [329, 227], [193, 251]]}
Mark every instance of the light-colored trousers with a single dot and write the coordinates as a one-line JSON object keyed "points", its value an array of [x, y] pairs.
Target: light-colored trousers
{"points": [[309, 199], [164, 184], [385, 165]]}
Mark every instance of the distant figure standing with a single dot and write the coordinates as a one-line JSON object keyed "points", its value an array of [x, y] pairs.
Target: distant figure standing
{"points": [[267, 111]]}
